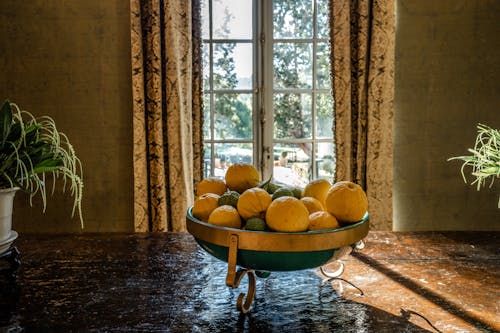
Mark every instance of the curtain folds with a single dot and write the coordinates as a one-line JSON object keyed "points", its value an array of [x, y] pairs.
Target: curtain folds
{"points": [[362, 56], [167, 111]]}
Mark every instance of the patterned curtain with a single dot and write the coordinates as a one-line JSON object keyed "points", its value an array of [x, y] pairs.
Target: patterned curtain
{"points": [[362, 55], [167, 117]]}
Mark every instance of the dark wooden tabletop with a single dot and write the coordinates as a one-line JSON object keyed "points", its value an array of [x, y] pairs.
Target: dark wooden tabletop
{"points": [[164, 282]]}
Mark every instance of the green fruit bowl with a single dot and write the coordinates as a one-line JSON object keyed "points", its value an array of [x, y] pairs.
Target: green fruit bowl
{"points": [[276, 251]]}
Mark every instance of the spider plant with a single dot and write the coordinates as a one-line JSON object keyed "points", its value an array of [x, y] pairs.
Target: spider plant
{"points": [[32, 148], [485, 158]]}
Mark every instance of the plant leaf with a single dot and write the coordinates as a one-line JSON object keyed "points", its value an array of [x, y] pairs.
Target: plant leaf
{"points": [[5, 121]]}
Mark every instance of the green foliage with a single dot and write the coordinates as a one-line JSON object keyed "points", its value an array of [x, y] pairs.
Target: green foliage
{"points": [[292, 64], [292, 68], [485, 158], [234, 119], [32, 147]]}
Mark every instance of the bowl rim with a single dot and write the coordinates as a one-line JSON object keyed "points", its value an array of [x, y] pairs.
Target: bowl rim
{"points": [[316, 240]]}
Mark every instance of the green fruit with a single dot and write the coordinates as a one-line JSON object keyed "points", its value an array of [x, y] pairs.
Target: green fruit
{"points": [[229, 198], [255, 224], [283, 192], [272, 187], [297, 192]]}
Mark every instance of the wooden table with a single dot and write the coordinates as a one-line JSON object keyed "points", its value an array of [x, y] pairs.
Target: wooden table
{"points": [[164, 282]]}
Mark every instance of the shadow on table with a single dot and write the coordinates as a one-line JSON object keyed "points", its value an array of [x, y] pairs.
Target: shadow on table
{"points": [[297, 303], [9, 298], [430, 295]]}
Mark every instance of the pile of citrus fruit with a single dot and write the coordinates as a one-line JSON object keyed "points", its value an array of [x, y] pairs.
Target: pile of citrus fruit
{"points": [[242, 201]]}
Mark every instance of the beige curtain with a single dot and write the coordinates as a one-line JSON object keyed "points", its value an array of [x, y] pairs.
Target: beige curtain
{"points": [[362, 54], [166, 78]]}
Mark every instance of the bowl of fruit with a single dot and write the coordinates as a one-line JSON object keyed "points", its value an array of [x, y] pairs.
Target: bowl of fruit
{"points": [[277, 228], [265, 227]]}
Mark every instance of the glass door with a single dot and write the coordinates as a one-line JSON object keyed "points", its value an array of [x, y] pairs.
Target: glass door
{"points": [[298, 131]]}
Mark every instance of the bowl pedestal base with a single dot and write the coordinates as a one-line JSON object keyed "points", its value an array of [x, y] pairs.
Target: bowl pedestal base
{"points": [[233, 277]]}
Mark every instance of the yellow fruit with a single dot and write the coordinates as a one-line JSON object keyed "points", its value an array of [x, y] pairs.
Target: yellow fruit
{"points": [[253, 203], [204, 205], [312, 204], [241, 177], [287, 214], [317, 189], [346, 201], [211, 185], [225, 216], [322, 220]]}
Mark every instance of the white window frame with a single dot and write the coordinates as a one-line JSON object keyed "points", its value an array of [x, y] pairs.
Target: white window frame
{"points": [[263, 90]]}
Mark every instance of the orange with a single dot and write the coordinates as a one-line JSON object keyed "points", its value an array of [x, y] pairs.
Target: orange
{"points": [[322, 220], [204, 205], [211, 185], [312, 204], [241, 177], [287, 214], [346, 201], [225, 216], [253, 203], [317, 189]]}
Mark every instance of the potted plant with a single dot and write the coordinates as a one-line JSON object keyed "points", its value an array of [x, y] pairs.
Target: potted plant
{"points": [[485, 158], [31, 151]]}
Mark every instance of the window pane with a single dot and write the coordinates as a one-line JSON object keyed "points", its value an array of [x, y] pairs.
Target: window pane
{"points": [[292, 65], [206, 117], [292, 116], [322, 19], [325, 163], [227, 154], [323, 80], [205, 19], [233, 116], [207, 151], [293, 19], [292, 163], [324, 116], [206, 66], [233, 66], [232, 19]]}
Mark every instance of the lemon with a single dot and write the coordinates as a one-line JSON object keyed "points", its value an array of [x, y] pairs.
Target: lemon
{"points": [[211, 185], [317, 189], [204, 205], [346, 201], [253, 203], [241, 176], [322, 220], [287, 214], [225, 216], [312, 204]]}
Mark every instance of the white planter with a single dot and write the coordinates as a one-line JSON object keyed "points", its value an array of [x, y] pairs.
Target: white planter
{"points": [[6, 204]]}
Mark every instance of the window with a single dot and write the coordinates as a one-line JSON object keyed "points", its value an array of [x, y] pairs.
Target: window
{"points": [[267, 88]]}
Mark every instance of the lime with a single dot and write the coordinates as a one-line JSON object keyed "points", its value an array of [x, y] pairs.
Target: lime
{"points": [[270, 187], [255, 224], [297, 192], [229, 198], [283, 192]]}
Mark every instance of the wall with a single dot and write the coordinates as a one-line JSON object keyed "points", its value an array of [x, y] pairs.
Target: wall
{"points": [[447, 70], [71, 60]]}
